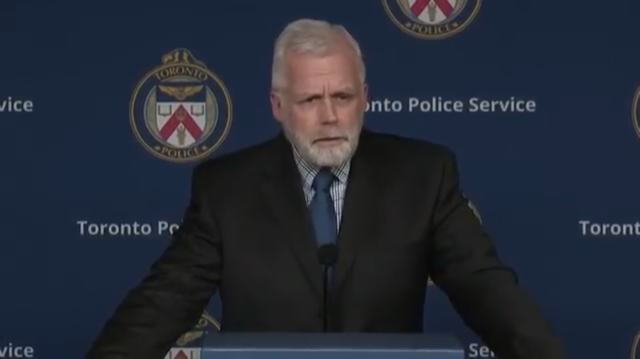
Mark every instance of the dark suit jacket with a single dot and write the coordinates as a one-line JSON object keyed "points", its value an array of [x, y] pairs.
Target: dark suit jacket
{"points": [[247, 233]]}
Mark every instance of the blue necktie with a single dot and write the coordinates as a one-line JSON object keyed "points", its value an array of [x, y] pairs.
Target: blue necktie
{"points": [[321, 208]]}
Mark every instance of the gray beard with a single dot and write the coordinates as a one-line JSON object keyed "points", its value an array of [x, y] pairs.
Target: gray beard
{"points": [[324, 157]]}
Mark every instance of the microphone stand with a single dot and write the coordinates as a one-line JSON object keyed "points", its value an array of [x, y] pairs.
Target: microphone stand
{"points": [[325, 299], [327, 257]]}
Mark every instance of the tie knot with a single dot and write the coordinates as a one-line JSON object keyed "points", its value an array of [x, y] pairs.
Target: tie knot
{"points": [[323, 180]]}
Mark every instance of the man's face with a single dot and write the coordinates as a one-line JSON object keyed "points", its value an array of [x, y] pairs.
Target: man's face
{"points": [[321, 109]]}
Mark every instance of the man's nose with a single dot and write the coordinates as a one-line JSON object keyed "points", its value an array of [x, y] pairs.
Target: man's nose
{"points": [[331, 115]]}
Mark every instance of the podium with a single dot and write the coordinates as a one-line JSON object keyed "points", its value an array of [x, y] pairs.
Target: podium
{"points": [[216, 345]]}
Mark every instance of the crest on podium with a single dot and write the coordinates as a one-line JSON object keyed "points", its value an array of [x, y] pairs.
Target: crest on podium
{"points": [[189, 345]]}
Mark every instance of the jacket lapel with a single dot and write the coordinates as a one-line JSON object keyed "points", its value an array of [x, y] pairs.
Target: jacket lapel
{"points": [[282, 188], [362, 208]]}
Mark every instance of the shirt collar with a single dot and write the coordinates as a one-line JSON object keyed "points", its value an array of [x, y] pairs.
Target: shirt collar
{"points": [[309, 171]]}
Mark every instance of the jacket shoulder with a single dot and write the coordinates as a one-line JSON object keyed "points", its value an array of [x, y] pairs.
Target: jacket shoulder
{"points": [[237, 163]]}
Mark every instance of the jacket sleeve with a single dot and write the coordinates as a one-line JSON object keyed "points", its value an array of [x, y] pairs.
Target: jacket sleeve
{"points": [[464, 263], [170, 299]]}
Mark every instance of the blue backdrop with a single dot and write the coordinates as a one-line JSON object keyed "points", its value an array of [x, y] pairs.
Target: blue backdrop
{"points": [[82, 144]]}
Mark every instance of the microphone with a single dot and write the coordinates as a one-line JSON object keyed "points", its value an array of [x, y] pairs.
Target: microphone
{"points": [[327, 256]]}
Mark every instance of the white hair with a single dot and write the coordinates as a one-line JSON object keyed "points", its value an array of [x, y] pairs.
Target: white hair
{"points": [[315, 37]]}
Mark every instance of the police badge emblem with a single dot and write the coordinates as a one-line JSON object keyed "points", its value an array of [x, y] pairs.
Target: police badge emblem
{"points": [[180, 111], [432, 19]]}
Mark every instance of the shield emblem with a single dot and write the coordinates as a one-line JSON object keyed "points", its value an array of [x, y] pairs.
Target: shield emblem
{"points": [[181, 113], [433, 12], [184, 353]]}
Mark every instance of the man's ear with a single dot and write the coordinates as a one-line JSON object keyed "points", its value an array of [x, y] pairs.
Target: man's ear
{"points": [[276, 106]]}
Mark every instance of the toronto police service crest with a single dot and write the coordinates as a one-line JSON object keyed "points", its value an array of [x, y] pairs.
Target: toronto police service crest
{"points": [[180, 111], [431, 19], [635, 112]]}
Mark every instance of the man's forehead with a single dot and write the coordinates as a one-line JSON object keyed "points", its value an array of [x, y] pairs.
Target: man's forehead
{"points": [[323, 84]]}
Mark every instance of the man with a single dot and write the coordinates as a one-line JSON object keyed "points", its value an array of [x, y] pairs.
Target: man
{"points": [[393, 206]]}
